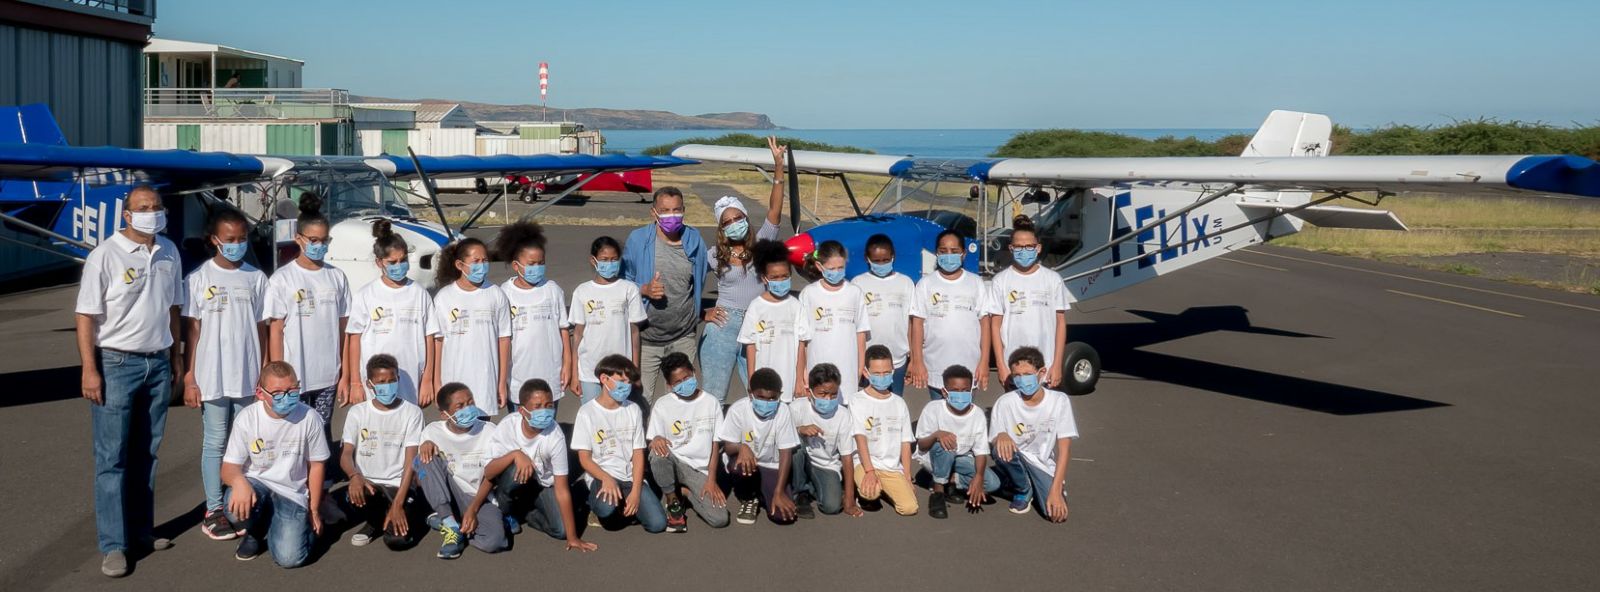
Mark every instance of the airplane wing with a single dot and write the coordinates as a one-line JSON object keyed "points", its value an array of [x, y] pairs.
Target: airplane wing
{"points": [[457, 167]]}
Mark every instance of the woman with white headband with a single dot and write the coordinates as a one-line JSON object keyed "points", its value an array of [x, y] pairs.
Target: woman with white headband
{"points": [[737, 283]]}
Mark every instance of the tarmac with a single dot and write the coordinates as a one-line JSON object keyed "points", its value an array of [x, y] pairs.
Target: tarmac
{"points": [[1273, 420]]}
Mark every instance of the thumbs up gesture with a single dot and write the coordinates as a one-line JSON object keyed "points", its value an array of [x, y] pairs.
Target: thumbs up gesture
{"points": [[654, 290]]}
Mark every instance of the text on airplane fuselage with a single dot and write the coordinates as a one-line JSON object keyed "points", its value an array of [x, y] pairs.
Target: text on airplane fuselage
{"points": [[1191, 233]]}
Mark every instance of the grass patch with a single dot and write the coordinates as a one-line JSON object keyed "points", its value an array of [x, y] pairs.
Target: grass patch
{"points": [[1426, 243], [753, 141]]}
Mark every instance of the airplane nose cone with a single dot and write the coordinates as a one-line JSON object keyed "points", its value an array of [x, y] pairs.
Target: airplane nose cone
{"points": [[800, 246]]}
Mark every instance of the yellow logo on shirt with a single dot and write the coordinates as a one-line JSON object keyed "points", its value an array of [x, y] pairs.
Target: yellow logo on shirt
{"points": [[678, 427], [377, 313], [211, 292], [1013, 295], [750, 436], [455, 314], [935, 297], [514, 311], [871, 421], [590, 305], [364, 434], [300, 295], [130, 275], [257, 445], [761, 326], [599, 436], [1019, 429], [871, 296], [817, 313]]}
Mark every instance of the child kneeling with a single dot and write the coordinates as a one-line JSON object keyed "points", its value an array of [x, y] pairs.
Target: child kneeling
{"points": [[759, 437], [273, 468]]}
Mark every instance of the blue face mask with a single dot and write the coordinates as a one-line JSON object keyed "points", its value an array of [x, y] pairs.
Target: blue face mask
{"points": [[737, 229], [234, 251], [881, 382], [466, 416], [541, 419], [959, 400], [283, 403], [316, 251], [833, 276], [948, 262], [882, 269], [779, 288], [1028, 384], [621, 391], [607, 269], [477, 272], [825, 407], [386, 392], [1025, 257], [687, 388], [533, 274], [396, 272], [765, 408]]}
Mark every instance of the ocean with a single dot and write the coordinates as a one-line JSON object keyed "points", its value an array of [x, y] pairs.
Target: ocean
{"points": [[918, 142]]}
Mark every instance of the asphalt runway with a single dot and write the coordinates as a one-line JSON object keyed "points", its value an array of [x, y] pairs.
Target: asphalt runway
{"points": [[1273, 420]]}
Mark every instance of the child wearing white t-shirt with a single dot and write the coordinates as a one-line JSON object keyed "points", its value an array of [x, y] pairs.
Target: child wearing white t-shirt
{"points": [[888, 295], [1033, 429], [449, 469], [381, 437], [530, 469], [393, 315], [775, 326], [953, 438], [759, 437], [609, 437], [307, 306], [540, 331], [474, 325], [949, 320], [836, 312], [1031, 305], [683, 447], [606, 314], [274, 469], [824, 464], [883, 437]]}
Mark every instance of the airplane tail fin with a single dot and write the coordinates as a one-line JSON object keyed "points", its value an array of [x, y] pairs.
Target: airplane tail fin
{"points": [[1291, 133], [30, 124]]}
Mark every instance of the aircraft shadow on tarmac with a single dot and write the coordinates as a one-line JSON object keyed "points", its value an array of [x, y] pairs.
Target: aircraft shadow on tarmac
{"points": [[1119, 343]]}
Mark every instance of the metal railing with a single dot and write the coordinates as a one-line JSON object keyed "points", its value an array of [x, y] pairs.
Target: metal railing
{"points": [[247, 103]]}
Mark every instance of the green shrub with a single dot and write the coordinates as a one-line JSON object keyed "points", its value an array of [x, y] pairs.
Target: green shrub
{"points": [[753, 141], [1483, 136]]}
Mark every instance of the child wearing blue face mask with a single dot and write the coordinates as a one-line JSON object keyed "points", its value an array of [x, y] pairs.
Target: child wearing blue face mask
{"points": [[837, 314], [606, 313], [530, 468], [1033, 429], [883, 437], [450, 468], [950, 319], [225, 339], [824, 466], [888, 295], [609, 437], [953, 438], [759, 437], [540, 330], [381, 437], [1030, 306], [393, 315], [683, 447], [274, 469], [775, 325], [474, 325], [307, 307]]}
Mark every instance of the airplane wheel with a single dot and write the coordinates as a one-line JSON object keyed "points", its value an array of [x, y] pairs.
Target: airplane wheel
{"points": [[481, 185], [530, 196], [1083, 369]]}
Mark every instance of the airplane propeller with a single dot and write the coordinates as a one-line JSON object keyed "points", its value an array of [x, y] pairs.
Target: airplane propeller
{"points": [[794, 192]]}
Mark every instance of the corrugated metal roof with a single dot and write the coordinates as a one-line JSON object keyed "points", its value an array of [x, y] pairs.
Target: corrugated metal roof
{"points": [[158, 45], [426, 112]]}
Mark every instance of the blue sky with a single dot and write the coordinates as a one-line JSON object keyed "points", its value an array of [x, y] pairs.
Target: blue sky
{"points": [[939, 64]]}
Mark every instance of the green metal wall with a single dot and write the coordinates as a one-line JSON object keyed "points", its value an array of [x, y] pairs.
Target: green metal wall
{"points": [[292, 139], [394, 142], [188, 137]]}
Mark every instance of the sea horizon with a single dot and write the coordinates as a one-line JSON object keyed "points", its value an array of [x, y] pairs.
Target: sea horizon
{"points": [[950, 142]]}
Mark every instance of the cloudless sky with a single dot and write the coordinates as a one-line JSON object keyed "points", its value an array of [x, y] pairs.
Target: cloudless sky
{"points": [[948, 64]]}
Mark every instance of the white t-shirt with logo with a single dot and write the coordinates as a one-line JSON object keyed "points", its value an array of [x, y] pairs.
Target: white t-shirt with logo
{"points": [[277, 452], [971, 429], [607, 313], [836, 318], [886, 423], [311, 302], [130, 290], [1028, 304], [1035, 429], [888, 305], [952, 314], [767, 438], [547, 449], [838, 438], [228, 303], [472, 324], [690, 426], [381, 437], [398, 322], [467, 454], [610, 436], [537, 317], [776, 329]]}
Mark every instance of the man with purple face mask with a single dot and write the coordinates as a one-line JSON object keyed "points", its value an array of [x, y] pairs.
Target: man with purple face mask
{"points": [[667, 260]]}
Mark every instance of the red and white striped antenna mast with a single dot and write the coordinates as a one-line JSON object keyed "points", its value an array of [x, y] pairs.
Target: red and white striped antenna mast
{"points": [[544, 89]]}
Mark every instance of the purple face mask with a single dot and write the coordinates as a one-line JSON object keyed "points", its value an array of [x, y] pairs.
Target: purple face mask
{"points": [[671, 223]]}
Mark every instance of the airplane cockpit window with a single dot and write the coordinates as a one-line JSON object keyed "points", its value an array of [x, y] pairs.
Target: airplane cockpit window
{"points": [[348, 196]]}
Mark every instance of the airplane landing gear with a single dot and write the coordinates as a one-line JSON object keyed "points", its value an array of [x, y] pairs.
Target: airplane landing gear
{"points": [[1082, 369]]}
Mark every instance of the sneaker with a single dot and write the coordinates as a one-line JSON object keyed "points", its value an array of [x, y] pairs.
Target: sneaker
{"points": [[217, 526], [250, 547], [367, 534], [956, 496], [871, 505], [594, 520], [748, 511], [802, 507], [677, 515], [454, 542], [512, 526], [1019, 503], [114, 564], [936, 507], [155, 543]]}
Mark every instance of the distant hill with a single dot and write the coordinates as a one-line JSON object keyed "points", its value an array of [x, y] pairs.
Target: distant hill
{"points": [[603, 119]]}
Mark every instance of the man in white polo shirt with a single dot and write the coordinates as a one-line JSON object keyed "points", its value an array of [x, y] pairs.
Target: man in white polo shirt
{"points": [[127, 315]]}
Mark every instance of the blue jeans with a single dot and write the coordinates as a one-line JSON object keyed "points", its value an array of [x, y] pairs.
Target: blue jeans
{"points": [[721, 354], [941, 463], [216, 420], [1027, 479], [651, 515], [825, 486], [127, 431], [285, 525]]}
